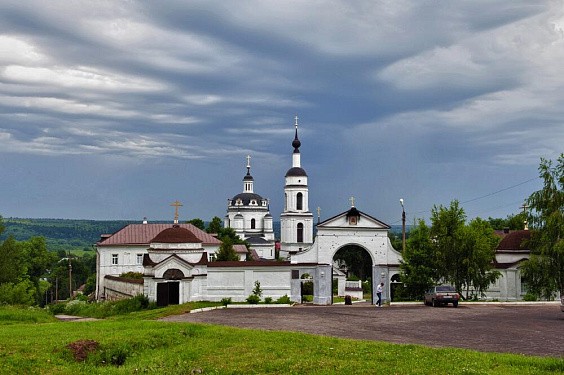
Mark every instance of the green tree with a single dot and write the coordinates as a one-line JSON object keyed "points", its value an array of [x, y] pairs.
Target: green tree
{"points": [[198, 223], [419, 264], [215, 225], [464, 252], [12, 261], [544, 271], [477, 250], [226, 251], [512, 222]]}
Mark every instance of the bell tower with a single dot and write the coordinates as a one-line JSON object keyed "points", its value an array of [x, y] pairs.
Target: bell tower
{"points": [[296, 221]]}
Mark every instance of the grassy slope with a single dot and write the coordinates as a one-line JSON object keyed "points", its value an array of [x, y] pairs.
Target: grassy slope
{"points": [[183, 348]]}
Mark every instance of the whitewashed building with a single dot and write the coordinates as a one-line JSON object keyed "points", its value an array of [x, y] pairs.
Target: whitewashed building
{"points": [[249, 215]]}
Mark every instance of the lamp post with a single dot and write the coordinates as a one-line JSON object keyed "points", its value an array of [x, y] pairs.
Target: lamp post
{"points": [[402, 226]]}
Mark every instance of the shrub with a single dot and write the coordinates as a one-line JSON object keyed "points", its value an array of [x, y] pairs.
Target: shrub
{"points": [[267, 299], [57, 308], [529, 297], [253, 299], [284, 300], [225, 301], [132, 275], [74, 307]]}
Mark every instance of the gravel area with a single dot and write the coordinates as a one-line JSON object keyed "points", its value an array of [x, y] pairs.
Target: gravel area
{"points": [[524, 329]]}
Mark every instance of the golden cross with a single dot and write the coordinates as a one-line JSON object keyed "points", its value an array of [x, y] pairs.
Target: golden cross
{"points": [[176, 204]]}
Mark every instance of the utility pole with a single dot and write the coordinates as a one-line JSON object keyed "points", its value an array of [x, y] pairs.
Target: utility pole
{"points": [[402, 227], [70, 278]]}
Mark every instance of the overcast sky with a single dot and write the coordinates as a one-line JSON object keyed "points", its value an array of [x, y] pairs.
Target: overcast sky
{"points": [[115, 109]]}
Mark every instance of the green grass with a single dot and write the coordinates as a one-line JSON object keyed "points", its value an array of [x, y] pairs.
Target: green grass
{"points": [[131, 345]]}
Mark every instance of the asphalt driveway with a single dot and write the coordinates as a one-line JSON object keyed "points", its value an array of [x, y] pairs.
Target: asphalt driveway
{"points": [[527, 329]]}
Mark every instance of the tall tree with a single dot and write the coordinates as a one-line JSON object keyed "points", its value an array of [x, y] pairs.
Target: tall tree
{"points": [[226, 251], [419, 264], [544, 271], [464, 252], [198, 223], [215, 225], [478, 253]]}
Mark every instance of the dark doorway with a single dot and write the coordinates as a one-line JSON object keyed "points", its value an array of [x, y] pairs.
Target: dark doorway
{"points": [[168, 293]]}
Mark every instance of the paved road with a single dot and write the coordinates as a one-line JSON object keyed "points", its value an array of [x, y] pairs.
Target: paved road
{"points": [[533, 330]]}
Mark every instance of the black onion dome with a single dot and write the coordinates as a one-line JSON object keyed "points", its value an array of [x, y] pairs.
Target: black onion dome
{"points": [[248, 177], [296, 172], [296, 142], [246, 199]]}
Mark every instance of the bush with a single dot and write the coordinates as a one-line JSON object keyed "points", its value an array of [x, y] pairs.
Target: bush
{"points": [[22, 293], [226, 301], [267, 299], [284, 300], [529, 297], [57, 308], [253, 299]]}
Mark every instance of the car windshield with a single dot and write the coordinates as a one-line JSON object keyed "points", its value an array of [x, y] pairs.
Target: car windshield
{"points": [[445, 288]]}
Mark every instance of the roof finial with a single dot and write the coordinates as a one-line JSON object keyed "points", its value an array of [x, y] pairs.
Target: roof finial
{"points": [[296, 143], [352, 201], [248, 164], [176, 204]]}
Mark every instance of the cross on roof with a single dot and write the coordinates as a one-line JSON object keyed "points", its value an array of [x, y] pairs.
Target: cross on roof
{"points": [[176, 204], [352, 201], [248, 161], [296, 121]]}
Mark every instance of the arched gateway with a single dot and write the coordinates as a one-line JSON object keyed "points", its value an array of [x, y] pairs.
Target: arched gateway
{"points": [[350, 228]]}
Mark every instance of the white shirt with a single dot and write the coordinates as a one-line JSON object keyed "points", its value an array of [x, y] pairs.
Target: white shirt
{"points": [[379, 288]]}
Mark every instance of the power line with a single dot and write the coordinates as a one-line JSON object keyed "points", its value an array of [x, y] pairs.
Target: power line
{"points": [[499, 191], [487, 195]]}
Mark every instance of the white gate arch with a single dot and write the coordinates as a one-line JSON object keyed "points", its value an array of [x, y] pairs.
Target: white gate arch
{"points": [[353, 228]]}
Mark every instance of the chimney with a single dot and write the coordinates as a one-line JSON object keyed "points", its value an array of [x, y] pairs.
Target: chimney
{"points": [[145, 220]]}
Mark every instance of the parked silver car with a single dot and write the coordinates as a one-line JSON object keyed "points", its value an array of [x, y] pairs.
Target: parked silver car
{"points": [[442, 295]]}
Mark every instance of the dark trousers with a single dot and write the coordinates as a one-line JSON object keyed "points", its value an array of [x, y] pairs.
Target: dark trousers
{"points": [[379, 303]]}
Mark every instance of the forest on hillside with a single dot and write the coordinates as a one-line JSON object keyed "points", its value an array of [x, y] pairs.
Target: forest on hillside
{"points": [[62, 234]]}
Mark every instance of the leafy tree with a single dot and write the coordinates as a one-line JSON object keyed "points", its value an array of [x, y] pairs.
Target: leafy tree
{"points": [[20, 293], [2, 227], [226, 251], [478, 253], [198, 223], [12, 261], [215, 225], [544, 271], [512, 222], [38, 259], [464, 253], [419, 264]]}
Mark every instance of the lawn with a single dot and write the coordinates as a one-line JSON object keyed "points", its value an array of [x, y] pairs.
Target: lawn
{"points": [[36, 344]]}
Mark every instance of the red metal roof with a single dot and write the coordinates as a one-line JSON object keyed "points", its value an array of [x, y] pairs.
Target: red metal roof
{"points": [[514, 240], [143, 234]]}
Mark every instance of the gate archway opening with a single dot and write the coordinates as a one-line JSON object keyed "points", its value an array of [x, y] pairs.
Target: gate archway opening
{"points": [[353, 273]]}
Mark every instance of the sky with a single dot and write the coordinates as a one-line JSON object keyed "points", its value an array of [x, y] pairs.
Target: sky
{"points": [[116, 109]]}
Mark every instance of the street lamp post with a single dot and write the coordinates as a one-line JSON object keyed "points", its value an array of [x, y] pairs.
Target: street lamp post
{"points": [[402, 226]]}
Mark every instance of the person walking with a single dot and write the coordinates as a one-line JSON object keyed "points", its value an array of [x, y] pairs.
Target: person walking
{"points": [[379, 290]]}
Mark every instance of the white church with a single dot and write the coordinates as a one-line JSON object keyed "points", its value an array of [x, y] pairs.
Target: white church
{"points": [[178, 264]]}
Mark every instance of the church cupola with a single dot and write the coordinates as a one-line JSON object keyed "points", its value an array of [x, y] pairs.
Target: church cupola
{"points": [[248, 179]]}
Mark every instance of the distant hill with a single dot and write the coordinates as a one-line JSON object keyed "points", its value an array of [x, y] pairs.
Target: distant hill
{"points": [[62, 234], [70, 234]]}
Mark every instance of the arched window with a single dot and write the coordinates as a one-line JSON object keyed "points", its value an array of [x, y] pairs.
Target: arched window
{"points": [[253, 223], [299, 201], [285, 202], [300, 233]]}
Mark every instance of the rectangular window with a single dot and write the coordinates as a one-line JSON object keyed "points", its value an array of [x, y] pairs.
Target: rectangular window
{"points": [[114, 259], [139, 258]]}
